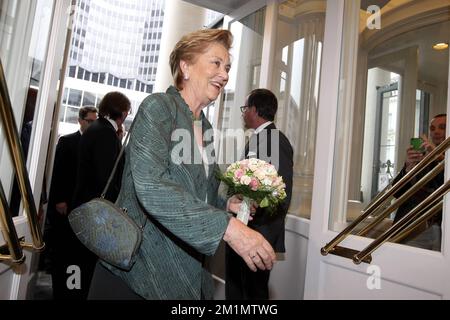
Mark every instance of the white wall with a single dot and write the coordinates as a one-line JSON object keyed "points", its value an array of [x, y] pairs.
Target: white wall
{"points": [[287, 279]]}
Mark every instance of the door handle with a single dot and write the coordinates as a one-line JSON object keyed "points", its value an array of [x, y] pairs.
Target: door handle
{"points": [[14, 251], [13, 141]]}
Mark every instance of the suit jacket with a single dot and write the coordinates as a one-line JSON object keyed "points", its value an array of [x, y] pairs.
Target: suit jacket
{"points": [[420, 194], [97, 152], [64, 172], [181, 227], [272, 146]]}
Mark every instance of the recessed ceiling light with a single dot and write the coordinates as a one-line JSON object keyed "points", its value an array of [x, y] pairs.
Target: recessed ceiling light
{"points": [[440, 46]]}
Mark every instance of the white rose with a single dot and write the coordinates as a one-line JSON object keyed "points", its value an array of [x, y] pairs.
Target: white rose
{"points": [[246, 180], [267, 182], [260, 174]]}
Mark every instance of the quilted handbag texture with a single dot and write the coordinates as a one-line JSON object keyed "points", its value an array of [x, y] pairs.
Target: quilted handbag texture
{"points": [[107, 231]]}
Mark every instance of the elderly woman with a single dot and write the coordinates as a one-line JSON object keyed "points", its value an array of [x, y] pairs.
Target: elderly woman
{"points": [[175, 191]]}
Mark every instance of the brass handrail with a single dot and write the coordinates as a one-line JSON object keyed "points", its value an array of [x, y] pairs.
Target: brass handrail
{"points": [[9, 232], [404, 222], [12, 138], [423, 218], [418, 185], [374, 205]]}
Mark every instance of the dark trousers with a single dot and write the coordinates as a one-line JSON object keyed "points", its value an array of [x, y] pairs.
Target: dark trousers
{"points": [[107, 286], [66, 251], [241, 283]]}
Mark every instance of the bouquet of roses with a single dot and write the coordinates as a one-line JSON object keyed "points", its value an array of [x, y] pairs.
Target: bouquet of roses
{"points": [[257, 181]]}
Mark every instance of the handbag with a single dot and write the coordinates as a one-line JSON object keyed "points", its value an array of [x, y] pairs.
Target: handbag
{"points": [[106, 229]]}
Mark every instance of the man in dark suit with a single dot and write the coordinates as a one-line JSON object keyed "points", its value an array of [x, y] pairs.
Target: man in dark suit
{"points": [[97, 152], [427, 235], [61, 193], [271, 145]]}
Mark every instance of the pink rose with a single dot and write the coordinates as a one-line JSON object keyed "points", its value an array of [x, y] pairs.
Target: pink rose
{"points": [[238, 174], [254, 184]]}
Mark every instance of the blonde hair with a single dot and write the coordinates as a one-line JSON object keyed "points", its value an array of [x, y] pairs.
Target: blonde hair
{"points": [[191, 45]]}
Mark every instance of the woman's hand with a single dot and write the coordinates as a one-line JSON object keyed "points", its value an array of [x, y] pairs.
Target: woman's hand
{"points": [[234, 203], [250, 245]]}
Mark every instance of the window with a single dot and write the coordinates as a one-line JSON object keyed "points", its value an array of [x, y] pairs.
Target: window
{"points": [[66, 91], [137, 86], [72, 71], [390, 110], [88, 99], [75, 97], [80, 73], [72, 115]]}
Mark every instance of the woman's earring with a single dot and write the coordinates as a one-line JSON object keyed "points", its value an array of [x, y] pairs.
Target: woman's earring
{"points": [[186, 77]]}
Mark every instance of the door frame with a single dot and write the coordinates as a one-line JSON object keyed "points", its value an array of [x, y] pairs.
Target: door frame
{"points": [[16, 281], [378, 125], [401, 267]]}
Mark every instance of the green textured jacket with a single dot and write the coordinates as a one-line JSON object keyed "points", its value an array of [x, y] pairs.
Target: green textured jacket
{"points": [[181, 227]]}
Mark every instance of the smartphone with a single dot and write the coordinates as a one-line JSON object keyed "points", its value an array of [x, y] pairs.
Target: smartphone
{"points": [[417, 143]]}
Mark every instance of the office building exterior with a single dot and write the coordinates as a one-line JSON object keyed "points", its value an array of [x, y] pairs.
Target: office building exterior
{"points": [[114, 47]]}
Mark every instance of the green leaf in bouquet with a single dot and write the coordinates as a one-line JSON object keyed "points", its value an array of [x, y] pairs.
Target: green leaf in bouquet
{"points": [[264, 203]]}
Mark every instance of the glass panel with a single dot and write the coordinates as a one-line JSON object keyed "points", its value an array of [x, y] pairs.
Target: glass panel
{"points": [[72, 115], [244, 76], [298, 56], [109, 53], [88, 99], [401, 86], [75, 97], [24, 33]]}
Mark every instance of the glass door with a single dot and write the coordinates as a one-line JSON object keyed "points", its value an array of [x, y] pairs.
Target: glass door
{"points": [[385, 140], [358, 136], [32, 35]]}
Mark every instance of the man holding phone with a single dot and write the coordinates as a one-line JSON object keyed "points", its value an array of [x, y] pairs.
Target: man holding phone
{"points": [[429, 236], [416, 152]]}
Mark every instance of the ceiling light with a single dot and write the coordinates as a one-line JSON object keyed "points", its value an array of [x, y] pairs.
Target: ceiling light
{"points": [[440, 46]]}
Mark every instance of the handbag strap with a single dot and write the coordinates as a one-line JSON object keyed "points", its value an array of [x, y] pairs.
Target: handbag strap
{"points": [[128, 138], [118, 160]]}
